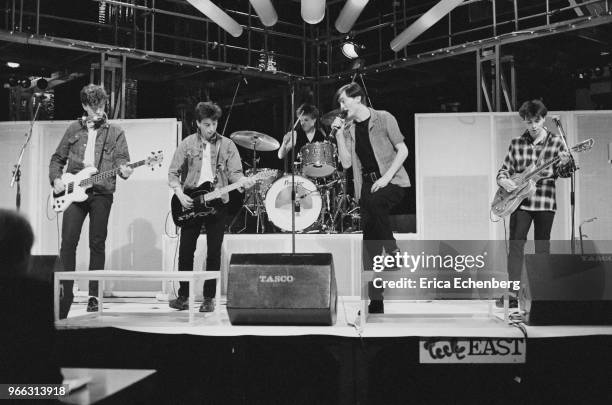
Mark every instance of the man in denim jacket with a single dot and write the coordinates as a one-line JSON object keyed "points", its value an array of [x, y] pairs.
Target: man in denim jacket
{"points": [[205, 156], [89, 141], [372, 144]]}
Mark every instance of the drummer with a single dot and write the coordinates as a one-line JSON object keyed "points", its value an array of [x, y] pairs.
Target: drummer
{"points": [[309, 131]]}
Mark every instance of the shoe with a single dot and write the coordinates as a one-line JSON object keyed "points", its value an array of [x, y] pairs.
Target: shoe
{"points": [[512, 302], [92, 304], [181, 303], [208, 305], [376, 307]]}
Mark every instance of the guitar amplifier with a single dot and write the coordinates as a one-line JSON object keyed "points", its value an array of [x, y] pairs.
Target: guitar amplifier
{"points": [[564, 289], [282, 289]]}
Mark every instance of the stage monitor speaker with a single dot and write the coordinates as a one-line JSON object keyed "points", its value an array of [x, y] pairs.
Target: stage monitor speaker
{"points": [[282, 289], [563, 289]]}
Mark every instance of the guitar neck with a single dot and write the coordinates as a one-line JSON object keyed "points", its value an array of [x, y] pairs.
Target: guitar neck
{"points": [[109, 173], [539, 169], [217, 193]]}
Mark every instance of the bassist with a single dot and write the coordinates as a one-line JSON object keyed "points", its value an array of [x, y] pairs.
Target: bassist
{"points": [[205, 157], [535, 145], [90, 141]]}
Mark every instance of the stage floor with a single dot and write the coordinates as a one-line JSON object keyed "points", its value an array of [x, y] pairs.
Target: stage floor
{"points": [[448, 318]]}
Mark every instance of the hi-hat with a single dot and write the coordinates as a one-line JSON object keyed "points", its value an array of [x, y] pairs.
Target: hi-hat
{"points": [[255, 140]]}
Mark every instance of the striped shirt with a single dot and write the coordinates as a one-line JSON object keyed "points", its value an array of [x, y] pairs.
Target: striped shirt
{"points": [[521, 154]]}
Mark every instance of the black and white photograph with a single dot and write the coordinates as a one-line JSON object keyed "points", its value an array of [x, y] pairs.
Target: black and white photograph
{"points": [[306, 202]]}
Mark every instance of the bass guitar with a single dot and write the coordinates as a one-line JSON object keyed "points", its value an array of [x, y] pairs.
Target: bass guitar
{"points": [[504, 203], [77, 184], [206, 199]]}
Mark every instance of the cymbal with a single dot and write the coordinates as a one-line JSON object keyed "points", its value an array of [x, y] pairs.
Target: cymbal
{"points": [[328, 118], [255, 140]]}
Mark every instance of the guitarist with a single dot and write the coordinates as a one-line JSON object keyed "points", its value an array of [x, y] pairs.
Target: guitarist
{"points": [[535, 145], [89, 141], [205, 156]]}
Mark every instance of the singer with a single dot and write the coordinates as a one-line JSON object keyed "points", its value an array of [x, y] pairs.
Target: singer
{"points": [[309, 131], [371, 143], [536, 145]]}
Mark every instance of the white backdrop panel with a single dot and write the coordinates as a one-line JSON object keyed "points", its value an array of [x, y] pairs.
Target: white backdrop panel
{"points": [[456, 154], [595, 175]]}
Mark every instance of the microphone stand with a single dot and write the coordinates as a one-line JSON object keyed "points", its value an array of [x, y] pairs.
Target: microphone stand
{"points": [[573, 169], [17, 168], [293, 200]]}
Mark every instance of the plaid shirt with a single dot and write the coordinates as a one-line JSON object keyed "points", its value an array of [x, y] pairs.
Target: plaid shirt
{"points": [[522, 153]]}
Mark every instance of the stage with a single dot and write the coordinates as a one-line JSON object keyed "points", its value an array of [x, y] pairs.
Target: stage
{"points": [[378, 361]]}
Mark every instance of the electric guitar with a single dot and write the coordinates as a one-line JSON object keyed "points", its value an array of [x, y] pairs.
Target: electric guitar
{"points": [[504, 203], [206, 199], [77, 184]]}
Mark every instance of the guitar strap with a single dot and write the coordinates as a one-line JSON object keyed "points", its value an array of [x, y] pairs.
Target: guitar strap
{"points": [[539, 159], [102, 151]]}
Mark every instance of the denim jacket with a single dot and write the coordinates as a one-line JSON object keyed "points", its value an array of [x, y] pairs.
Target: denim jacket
{"points": [[186, 163], [384, 134], [71, 149]]}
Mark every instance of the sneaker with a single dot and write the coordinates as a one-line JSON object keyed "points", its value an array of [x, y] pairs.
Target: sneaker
{"points": [[376, 307], [92, 304], [512, 302], [208, 305], [181, 303]]}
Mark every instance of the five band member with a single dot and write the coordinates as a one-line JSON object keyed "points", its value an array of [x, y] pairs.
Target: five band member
{"points": [[536, 144], [309, 131], [205, 156], [90, 141], [374, 146]]}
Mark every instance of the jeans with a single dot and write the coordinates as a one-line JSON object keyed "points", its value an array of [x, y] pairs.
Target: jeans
{"points": [[98, 207], [520, 222], [215, 228]]}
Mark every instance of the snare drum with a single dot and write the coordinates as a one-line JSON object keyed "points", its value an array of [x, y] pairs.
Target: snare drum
{"points": [[318, 159], [278, 203]]}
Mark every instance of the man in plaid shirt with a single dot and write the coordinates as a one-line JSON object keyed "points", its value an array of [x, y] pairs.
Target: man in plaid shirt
{"points": [[536, 145]]}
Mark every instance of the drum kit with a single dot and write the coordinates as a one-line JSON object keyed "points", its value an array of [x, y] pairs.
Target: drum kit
{"points": [[322, 203]]}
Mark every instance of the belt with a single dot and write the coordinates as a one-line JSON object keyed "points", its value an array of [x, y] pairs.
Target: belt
{"points": [[371, 176]]}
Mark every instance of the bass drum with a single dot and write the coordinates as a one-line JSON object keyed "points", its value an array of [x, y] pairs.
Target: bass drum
{"points": [[278, 203]]}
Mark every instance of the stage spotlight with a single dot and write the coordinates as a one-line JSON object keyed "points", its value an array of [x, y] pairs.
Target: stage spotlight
{"points": [[598, 71], [351, 49], [265, 11], [13, 65], [42, 83], [12, 81], [219, 17], [313, 11], [25, 83]]}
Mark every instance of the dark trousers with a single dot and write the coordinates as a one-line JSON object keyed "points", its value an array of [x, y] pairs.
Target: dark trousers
{"points": [[98, 207], [520, 222], [215, 228], [376, 226], [374, 209]]}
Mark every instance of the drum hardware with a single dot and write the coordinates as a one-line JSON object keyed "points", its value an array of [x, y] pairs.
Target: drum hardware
{"points": [[255, 141]]}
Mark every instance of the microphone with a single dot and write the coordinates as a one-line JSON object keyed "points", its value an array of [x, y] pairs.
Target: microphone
{"points": [[556, 120], [338, 121]]}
